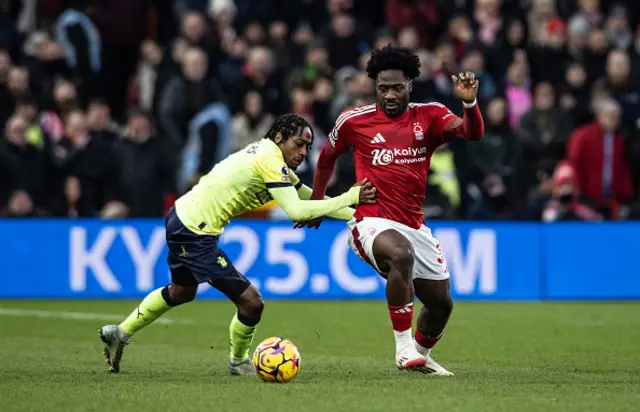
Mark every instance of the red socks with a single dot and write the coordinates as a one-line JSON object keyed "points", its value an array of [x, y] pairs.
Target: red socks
{"points": [[427, 341], [401, 317]]}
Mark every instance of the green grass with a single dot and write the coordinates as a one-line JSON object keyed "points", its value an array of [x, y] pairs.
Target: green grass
{"points": [[506, 356]]}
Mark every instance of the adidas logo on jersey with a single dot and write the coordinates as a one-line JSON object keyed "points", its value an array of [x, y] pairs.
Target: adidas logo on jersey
{"points": [[378, 139]]}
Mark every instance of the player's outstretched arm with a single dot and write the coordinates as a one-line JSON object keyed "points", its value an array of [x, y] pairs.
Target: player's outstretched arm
{"points": [[302, 210], [304, 193], [471, 126]]}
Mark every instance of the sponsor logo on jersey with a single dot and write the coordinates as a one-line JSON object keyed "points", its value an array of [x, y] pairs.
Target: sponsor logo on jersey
{"points": [[384, 157]]}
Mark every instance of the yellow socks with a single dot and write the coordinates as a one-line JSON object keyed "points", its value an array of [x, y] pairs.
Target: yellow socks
{"points": [[241, 333], [150, 309]]}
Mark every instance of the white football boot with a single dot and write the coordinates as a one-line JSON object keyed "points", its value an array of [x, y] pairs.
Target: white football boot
{"points": [[408, 358], [431, 367], [114, 339], [242, 367]]}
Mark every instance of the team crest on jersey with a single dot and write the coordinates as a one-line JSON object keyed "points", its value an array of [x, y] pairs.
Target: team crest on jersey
{"points": [[417, 131]]}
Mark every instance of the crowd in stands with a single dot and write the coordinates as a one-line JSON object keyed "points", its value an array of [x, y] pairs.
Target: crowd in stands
{"points": [[114, 108]]}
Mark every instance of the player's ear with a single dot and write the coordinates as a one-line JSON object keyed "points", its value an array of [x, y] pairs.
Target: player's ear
{"points": [[278, 138], [410, 85]]}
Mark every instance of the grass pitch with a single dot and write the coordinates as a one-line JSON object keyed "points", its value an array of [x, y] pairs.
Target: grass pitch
{"points": [[506, 356]]}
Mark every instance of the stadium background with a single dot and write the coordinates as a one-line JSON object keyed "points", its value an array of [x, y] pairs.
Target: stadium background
{"points": [[112, 109]]}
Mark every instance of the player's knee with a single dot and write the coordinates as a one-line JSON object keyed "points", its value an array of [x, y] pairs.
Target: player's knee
{"points": [[251, 304], [402, 258], [446, 305], [182, 294]]}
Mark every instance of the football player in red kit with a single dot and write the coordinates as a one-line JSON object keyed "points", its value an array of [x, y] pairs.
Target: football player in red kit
{"points": [[392, 142]]}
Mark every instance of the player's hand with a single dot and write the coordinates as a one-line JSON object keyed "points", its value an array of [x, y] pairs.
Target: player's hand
{"points": [[367, 192], [313, 223], [465, 86]]}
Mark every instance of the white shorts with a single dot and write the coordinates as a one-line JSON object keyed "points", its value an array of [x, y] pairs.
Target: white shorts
{"points": [[429, 262]]}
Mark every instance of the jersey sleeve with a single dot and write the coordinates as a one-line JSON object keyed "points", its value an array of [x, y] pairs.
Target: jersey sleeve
{"points": [[340, 136], [437, 116], [275, 172], [295, 180]]}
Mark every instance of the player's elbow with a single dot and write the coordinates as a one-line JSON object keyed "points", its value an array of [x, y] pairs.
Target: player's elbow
{"points": [[474, 134], [298, 216], [296, 213]]}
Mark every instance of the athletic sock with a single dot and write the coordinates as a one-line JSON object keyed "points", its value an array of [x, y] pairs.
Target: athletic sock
{"points": [[241, 331], [425, 343], [151, 308], [401, 321]]}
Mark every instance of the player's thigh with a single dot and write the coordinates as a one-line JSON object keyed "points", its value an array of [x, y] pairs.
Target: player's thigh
{"points": [[195, 259], [364, 241], [430, 263]]}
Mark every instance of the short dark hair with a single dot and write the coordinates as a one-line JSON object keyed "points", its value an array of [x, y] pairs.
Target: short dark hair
{"points": [[287, 125], [393, 58]]}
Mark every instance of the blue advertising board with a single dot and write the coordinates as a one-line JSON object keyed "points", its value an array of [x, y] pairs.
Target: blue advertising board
{"points": [[506, 261]]}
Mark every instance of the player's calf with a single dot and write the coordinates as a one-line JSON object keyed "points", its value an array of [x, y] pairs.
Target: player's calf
{"points": [[242, 330], [154, 305]]}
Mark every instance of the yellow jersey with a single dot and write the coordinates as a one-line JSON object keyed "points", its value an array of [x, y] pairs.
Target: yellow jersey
{"points": [[247, 180]]}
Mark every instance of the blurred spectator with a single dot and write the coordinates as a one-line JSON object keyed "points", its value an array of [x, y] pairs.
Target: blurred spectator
{"points": [[86, 164], [259, 74], [145, 169], [252, 123], [185, 96], [620, 85], [343, 43], [597, 153], [34, 167], [590, 11], [473, 61], [517, 91], [596, 56], [6, 106], [544, 132], [617, 28], [564, 204], [99, 121], [488, 18], [574, 94], [541, 12], [513, 38], [498, 156], [460, 35]]}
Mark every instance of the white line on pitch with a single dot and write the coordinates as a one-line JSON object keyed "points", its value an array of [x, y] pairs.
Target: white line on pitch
{"points": [[32, 313]]}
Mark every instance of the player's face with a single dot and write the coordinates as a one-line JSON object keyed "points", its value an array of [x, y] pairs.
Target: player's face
{"points": [[295, 148], [392, 91]]}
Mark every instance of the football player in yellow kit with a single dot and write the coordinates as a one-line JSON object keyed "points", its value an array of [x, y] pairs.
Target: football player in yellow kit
{"points": [[242, 182]]}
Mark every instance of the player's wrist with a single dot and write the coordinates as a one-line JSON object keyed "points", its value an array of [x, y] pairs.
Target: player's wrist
{"points": [[353, 195], [469, 105]]}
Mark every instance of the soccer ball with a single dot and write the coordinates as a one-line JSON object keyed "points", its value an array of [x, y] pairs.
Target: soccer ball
{"points": [[276, 360]]}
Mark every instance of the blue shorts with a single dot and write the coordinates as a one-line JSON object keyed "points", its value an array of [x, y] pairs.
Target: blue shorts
{"points": [[195, 259]]}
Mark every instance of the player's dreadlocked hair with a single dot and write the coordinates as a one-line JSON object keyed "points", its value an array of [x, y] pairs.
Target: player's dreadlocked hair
{"points": [[393, 58], [288, 125]]}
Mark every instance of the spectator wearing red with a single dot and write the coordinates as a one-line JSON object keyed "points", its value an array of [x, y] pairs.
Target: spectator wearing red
{"points": [[597, 153], [565, 204]]}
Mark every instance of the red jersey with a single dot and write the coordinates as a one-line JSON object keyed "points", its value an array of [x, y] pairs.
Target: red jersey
{"points": [[394, 154]]}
